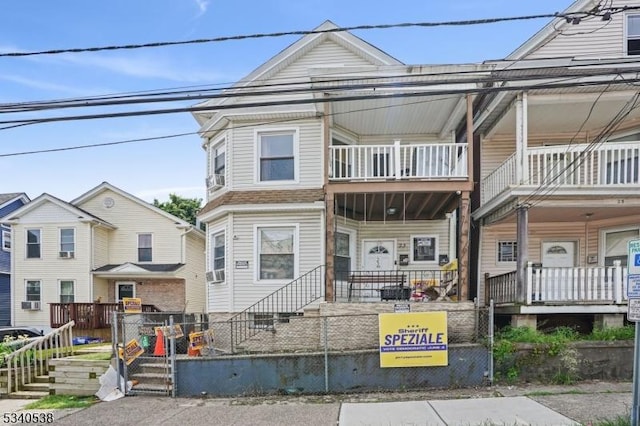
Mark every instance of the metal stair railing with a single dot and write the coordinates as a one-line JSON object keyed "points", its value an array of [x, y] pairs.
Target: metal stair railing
{"points": [[289, 299]]}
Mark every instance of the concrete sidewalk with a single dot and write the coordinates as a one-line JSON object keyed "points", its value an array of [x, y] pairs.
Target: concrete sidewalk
{"points": [[498, 405]]}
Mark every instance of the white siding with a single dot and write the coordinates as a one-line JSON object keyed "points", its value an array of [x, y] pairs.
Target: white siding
{"points": [[246, 290], [100, 246], [310, 150], [50, 268], [219, 293], [194, 274], [131, 218]]}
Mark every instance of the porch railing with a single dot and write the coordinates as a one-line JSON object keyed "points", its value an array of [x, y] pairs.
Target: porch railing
{"points": [[598, 284], [379, 285], [416, 161], [570, 166], [32, 359], [87, 316], [283, 303]]}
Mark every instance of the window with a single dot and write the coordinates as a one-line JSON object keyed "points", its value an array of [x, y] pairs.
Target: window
{"points": [[633, 35], [144, 248], [67, 242], [6, 240], [33, 243], [217, 167], [126, 290], [66, 291], [424, 248], [616, 245], [276, 253], [342, 261], [218, 253], [33, 291], [276, 156], [507, 251]]}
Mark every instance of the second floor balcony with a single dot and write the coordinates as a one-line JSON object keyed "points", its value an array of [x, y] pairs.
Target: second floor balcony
{"points": [[585, 167], [434, 161]]}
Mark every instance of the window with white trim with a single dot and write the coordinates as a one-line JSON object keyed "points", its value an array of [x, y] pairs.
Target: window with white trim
{"points": [[67, 242], [33, 243], [217, 166], [126, 289], [145, 247], [276, 253], [33, 291], [218, 253], [6, 239], [633, 34], [67, 294], [424, 248], [276, 156], [507, 251]]}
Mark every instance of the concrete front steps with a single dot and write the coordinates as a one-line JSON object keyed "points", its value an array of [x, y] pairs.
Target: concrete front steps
{"points": [[151, 375], [36, 390]]}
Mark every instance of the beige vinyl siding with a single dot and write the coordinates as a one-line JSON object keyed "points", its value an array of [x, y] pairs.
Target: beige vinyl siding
{"points": [[246, 290], [309, 149], [402, 233], [131, 218], [587, 235], [101, 289], [326, 54], [48, 213], [591, 39], [50, 268], [218, 294], [100, 246], [194, 274]]}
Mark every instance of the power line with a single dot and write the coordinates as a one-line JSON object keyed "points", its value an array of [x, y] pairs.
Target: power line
{"points": [[468, 22]]}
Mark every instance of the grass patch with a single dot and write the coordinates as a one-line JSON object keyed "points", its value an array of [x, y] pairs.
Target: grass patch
{"points": [[57, 402], [97, 356], [618, 421]]}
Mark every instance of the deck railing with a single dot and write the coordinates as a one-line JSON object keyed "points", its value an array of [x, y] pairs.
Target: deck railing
{"points": [[87, 316], [570, 166], [396, 161], [32, 360], [598, 284]]}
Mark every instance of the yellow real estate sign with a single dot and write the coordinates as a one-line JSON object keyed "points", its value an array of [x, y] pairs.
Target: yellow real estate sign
{"points": [[416, 339]]}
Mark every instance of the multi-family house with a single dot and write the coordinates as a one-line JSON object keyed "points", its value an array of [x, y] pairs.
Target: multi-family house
{"points": [[327, 165], [8, 203], [71, 258], [559, 193]]}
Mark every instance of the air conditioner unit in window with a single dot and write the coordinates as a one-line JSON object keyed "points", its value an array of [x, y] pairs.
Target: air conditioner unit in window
{"points": [[218, 275], [214, 182], [31, 306], [209, 276], [67, 254]]}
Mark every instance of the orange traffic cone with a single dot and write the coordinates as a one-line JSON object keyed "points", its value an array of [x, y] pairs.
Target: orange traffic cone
{"points": [[192, 351], [159, 349]]}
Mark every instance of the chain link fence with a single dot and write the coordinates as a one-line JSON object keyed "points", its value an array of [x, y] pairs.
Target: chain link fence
{"points": [[285, 353]]}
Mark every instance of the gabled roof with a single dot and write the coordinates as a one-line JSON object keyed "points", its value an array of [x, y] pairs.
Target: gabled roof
{"points": [[81, 214], [106, 186], [8, 198], [298, 49], [552, 29], [129, 267]]}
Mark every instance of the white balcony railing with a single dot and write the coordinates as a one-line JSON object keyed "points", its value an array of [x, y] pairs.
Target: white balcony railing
{"points": [[424, 161], [594, 284], [570, 166]]}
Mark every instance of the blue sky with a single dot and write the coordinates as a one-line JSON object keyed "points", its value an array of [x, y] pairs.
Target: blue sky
{"points": [[153, 169]]}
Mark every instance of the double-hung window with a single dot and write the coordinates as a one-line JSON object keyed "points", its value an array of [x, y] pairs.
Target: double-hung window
{"points": [[276, 253], [6, 239], [218, 255], [145, 247], [67, 242], [33, 243], [66, 291], [217, 166], [633, 34], [33, 291], [276, 156]]}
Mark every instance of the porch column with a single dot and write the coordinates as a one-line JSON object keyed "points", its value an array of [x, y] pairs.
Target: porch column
{"points": [[522, 111], [330, 247], [522, 239], [463, 246]]}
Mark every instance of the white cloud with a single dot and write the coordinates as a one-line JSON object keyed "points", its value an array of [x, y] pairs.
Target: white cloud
{"points": [[202, 6]]}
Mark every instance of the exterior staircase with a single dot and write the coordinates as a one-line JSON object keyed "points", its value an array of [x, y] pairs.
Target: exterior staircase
{"points": [[151, 375], [37, 389]]}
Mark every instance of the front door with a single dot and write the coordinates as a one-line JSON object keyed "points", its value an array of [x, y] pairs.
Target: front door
{"points": [[125, 289], [559, 254], [378, 255]]}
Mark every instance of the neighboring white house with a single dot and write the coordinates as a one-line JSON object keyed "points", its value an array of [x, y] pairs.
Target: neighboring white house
{"points": [[370, 185], [101, 247], [559, 193]]}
